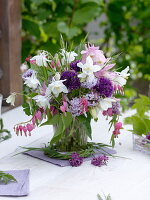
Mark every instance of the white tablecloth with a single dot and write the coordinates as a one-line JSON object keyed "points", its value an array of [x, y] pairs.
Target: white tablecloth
{"points": [[124, 179]]}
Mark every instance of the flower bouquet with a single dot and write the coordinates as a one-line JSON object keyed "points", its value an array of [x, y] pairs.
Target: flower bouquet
{"points": [[67, 90]]}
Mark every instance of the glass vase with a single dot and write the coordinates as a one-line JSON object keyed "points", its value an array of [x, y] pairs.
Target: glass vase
{"points": [[74, 137], [142, 144]]}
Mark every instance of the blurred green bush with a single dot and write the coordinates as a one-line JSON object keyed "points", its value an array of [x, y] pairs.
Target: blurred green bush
{"points": [[126, 27]]}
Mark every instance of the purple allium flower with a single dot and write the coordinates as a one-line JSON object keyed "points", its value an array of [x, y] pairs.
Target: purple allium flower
{"points": [[99, 161], [73, 66], [92, 98], [116, 108], [75, 160], [28, 74], [148, 136], [75, 107], [71, 80], [90, 83], [104, 87]]}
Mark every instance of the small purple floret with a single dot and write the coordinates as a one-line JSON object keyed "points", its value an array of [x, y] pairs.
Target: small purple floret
{"points": [[28, 74], [71, 79], [75, 160], [116, 108], [148, 136], [73, 66], [100, 160], [104, 87]]}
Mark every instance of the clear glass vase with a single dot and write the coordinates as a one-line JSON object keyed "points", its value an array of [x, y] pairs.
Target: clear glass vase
{"points": [[74, 137], [140, 143]]}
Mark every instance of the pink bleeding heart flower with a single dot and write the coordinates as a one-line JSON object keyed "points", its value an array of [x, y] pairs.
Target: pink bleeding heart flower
{"points": [[53, 110], [30, 127], [38, 115], [33, 119], [64, 107], [118, 125], [25, 130]]}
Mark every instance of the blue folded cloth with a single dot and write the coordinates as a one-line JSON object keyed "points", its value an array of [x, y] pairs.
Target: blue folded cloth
{"points": [[19, 188]]}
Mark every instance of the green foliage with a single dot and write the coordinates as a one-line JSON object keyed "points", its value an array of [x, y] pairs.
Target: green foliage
{"points": [[4, 133], [126, 30], [87, 150], [86, 121], [43, 21], [108, 197], [6, 178], [141, 120]]}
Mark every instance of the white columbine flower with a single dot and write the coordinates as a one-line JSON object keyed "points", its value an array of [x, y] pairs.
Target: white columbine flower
{"points": [[42, 101], [106, 103], [56, 87], [88, 68], [11, 99], [40, 59], [23, 67], [32, 81], [121, 77], [68, 56]]}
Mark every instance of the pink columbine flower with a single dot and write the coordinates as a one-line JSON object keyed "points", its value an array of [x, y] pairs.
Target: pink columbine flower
{"points": [[84, 105], [94, 52], [104, 72], [64, 107]]}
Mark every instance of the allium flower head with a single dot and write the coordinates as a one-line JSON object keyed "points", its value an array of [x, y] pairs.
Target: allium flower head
{"points": [[100, 160], [104, 87], [89, 83], [148, 136], [75, 160], [73, 66], [72, 82]]}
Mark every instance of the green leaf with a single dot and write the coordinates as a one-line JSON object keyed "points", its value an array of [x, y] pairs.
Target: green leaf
{"points": [[58, 134], [5, 177], [86, 14], [26, 108], [53, 120], [31, 27], [142, 105], [66, 119], [51, 29], [86, 121], [63, 27]]}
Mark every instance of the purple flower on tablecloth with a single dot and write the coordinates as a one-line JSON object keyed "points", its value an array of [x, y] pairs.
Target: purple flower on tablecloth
{"points": [[73, 66], [99, 161], [148, 136], [104, 87], [28, 74], [72, 81], [75, 160]]}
